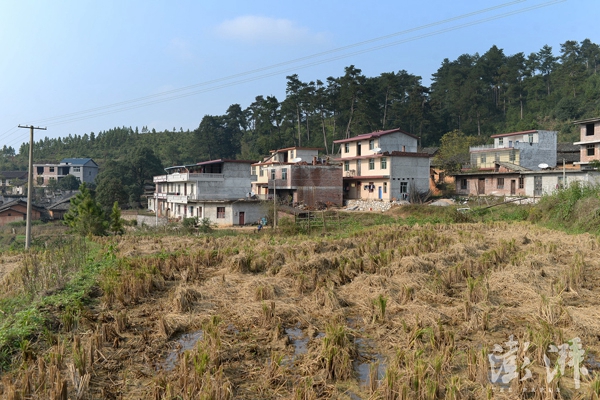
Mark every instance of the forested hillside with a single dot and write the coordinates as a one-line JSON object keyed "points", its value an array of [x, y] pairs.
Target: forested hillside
{"points": [[478, 94]]}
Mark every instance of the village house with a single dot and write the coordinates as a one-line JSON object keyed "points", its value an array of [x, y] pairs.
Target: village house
{"points": [[517, 164], [84, 169], [527, 149], [218, 190], [589, 141], [520, 182], [298, 175], [58, 209], [383, 165], [13, 182], [16, 210]]}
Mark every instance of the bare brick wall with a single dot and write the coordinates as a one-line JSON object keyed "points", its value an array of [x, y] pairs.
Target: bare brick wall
{"points": [[317, 184]]}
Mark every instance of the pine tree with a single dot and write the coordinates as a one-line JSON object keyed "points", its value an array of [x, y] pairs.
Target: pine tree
{"points": [[85, 216], [116, 223]]}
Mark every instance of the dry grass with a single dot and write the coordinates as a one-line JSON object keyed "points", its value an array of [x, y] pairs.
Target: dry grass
{"points": [[423, 305]]}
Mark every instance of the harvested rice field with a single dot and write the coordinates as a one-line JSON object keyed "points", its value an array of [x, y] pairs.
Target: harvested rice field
{"points": [[448, 311]]}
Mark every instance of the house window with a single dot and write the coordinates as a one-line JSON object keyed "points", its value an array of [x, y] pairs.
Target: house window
{"points": [[497, 157], [346, 165], [521, 182], [591, 149], [272, 174], [220, 212], [384, 187], [383, 163], [371, 144], [511, 156], [500, 142], [500, 183], [40, 180], [371, 163], [76, 169], [192, 211], [483, 158], [284, 174], [253, 170], [261, 172], [51, 169], [589, 130], [559, 183], [346, 147], [530, 138], [403, 187], [463, 184], [178, 208]]}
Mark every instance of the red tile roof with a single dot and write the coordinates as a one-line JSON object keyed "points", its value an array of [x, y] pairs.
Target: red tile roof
{"points": [[374, 135]]}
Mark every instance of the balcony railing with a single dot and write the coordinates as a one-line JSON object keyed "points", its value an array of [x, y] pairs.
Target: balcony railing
{"points": [[490, 147], [188, 177]]}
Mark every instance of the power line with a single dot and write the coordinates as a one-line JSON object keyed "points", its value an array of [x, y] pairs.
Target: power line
{"points": [[160, 98], [293, 61]]}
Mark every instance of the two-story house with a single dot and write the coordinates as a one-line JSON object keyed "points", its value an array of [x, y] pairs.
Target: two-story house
{"points": [[589, 141], [218, 190], [84, 169], [13, 182], [522, 164], [383, 165], [298, 175], [527, 149]]}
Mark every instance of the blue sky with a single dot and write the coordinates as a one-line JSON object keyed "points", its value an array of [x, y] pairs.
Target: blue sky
{"points": [[65, 57]]}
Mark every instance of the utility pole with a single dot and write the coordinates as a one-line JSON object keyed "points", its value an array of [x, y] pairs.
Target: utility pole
{"points": [[29, 183]]}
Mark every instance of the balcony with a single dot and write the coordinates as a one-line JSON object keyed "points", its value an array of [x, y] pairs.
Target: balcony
{"points": [[189, 177], [490, 147]]}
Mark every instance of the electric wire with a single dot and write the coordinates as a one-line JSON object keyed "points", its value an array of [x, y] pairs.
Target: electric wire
{"points": [[159, 98], [293, 61]]}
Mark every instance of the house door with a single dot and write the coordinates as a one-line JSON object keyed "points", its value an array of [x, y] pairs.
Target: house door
{"points": [[537, 185], [358, 167], [358, 152], [481, 186], [380, 193], [242, 218], [513, 187]]}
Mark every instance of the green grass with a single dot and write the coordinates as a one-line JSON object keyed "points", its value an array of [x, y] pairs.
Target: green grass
{"points": [[575, 209], [25, 314]]}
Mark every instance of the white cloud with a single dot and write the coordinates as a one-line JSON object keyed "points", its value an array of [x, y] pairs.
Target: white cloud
{"points": [[256, 29]]}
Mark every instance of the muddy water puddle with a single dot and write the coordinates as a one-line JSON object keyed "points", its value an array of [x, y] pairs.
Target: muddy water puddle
{"points": [[298, 339], [368, 357], [185, 342]]}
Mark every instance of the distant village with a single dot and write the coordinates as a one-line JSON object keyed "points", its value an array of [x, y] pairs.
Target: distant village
{"points": [[372, 171]]}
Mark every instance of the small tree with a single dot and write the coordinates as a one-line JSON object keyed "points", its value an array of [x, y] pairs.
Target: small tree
{"points": [[85, 216], [116, 223], [69, 182]]}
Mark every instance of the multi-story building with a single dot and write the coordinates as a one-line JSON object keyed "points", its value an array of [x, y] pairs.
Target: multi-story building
{"points": [[299, 176], [219, 190], [589, 141], [383, 165], [13, 182], [84, 169], [527, 149]]}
